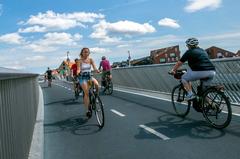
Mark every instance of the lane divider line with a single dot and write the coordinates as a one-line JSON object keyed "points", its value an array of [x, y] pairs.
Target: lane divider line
{"points": [[118, 113], [143, 95], [158, 98], [154, 132]]}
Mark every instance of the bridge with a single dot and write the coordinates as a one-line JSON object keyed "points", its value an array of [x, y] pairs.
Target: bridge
{"points": [[40, 122]]}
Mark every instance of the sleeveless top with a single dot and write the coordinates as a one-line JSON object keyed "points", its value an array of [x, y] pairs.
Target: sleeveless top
{"points": [[85, 67]]}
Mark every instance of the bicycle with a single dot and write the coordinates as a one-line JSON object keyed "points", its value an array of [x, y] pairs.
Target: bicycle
{"points": [[49, 81], [211, 102], [77, 88], [95, 103], [108, 88]]}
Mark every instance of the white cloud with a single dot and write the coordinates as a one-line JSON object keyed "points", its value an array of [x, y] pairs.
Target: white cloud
{"points": [[168, 23], [98, 50], [12, 38], [35, 58], [32, 29], [51, 21], [106, 31], [195, 5], [52, 41]]}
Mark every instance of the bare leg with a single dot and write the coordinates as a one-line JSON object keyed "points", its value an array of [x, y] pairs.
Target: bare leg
{"points": [[86, 95]]}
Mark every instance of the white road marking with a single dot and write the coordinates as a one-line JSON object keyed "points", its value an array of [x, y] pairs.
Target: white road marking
{"points": [[154, 132], [143, 95], [118, 113], [159, 98]]}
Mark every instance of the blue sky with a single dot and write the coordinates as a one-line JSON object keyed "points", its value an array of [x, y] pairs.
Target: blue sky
{"points": [[35, 35]]}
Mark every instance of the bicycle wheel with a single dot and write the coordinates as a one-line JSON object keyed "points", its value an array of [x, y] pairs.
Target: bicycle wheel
{"points": [[109, 88], [99, 111], [216, 108], [180, 106]]}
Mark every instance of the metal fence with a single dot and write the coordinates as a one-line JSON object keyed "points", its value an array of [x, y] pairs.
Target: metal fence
{"points": [[156, 78], [18, 109]]}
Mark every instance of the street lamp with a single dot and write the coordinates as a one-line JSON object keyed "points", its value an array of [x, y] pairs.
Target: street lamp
{"points": [[129, 58]]}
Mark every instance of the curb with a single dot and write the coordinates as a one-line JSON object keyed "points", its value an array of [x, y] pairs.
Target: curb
{"points": [[37, 145]]}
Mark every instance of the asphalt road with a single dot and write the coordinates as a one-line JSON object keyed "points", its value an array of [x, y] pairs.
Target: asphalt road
{"points": [[135, 127]]}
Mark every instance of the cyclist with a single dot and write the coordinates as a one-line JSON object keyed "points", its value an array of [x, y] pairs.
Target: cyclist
{"points": [[49, 76], [85, 64], [74, 70], [105, 64], [200, 66]]}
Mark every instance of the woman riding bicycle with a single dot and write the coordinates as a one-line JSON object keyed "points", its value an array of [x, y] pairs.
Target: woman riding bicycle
{"points": [[200, 66], [85, 64]]}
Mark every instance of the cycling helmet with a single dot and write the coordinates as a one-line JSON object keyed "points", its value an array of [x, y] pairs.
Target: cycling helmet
{"points": [[103, 57], [192, 42]]}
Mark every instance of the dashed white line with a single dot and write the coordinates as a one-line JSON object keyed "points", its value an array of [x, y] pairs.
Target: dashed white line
{"points": [[118, 113], [154, 132]]}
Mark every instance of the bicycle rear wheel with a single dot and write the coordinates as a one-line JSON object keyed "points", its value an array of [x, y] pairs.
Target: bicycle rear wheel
{"points": [[216, 108], [99, 111], [109, 88], [180, 106]]}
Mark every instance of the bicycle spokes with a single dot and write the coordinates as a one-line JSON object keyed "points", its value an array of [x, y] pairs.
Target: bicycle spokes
{"points": [[217, 109]]}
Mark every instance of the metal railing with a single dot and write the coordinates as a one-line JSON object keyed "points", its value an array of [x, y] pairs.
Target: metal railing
{"points": [[18, 109], [156, 78]]}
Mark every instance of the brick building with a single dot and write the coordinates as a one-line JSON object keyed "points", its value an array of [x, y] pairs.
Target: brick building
{"points": [[215, 52], [165, 55]]}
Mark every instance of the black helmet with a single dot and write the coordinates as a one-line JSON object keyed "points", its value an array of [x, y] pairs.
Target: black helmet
{"points": [[103, 58], [192, 42]]}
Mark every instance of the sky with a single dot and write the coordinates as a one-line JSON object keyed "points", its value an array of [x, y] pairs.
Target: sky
{"points": [[35, 35]]}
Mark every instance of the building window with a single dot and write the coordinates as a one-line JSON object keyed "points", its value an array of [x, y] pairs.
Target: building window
{"points": [[226, 54], [172, 55], [176, 58], [219, 55], [166, 55], [176, 49], [162, 60]]}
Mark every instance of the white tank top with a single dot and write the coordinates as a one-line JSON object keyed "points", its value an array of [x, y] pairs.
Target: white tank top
{"points": [[85, 67]]}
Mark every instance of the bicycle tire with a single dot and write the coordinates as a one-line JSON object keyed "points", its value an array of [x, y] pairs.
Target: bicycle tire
{"points": [[99, 111], [180, 107], [214, 108], [109, 88]]}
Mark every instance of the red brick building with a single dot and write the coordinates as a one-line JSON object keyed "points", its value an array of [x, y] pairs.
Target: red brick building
{"points": [[215, 52], [165, 55]]}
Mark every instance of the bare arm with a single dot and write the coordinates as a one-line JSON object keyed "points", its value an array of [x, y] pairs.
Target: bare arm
{"points": [[177, 65], [78, 66], [93, 65]]}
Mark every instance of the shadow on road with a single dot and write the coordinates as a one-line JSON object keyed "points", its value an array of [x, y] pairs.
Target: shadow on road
{"points": [[71, 101], [75, 125], [174, 127]]}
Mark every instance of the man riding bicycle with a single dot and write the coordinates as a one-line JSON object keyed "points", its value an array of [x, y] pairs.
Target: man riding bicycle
{"points": [[106, 70], [200, 66], [74, 74], [49, 76]]}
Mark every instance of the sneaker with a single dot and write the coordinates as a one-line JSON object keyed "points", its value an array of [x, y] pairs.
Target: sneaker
{"points": [[89, 114], [190, 96]]}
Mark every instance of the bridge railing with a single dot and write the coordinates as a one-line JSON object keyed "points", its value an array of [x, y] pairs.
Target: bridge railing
{"points": [[156, 78], [18, 108]]}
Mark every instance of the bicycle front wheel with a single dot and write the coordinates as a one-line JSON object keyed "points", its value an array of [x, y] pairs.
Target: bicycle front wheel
{"points": [[180, 106], [99, 111], [216, 108]]}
